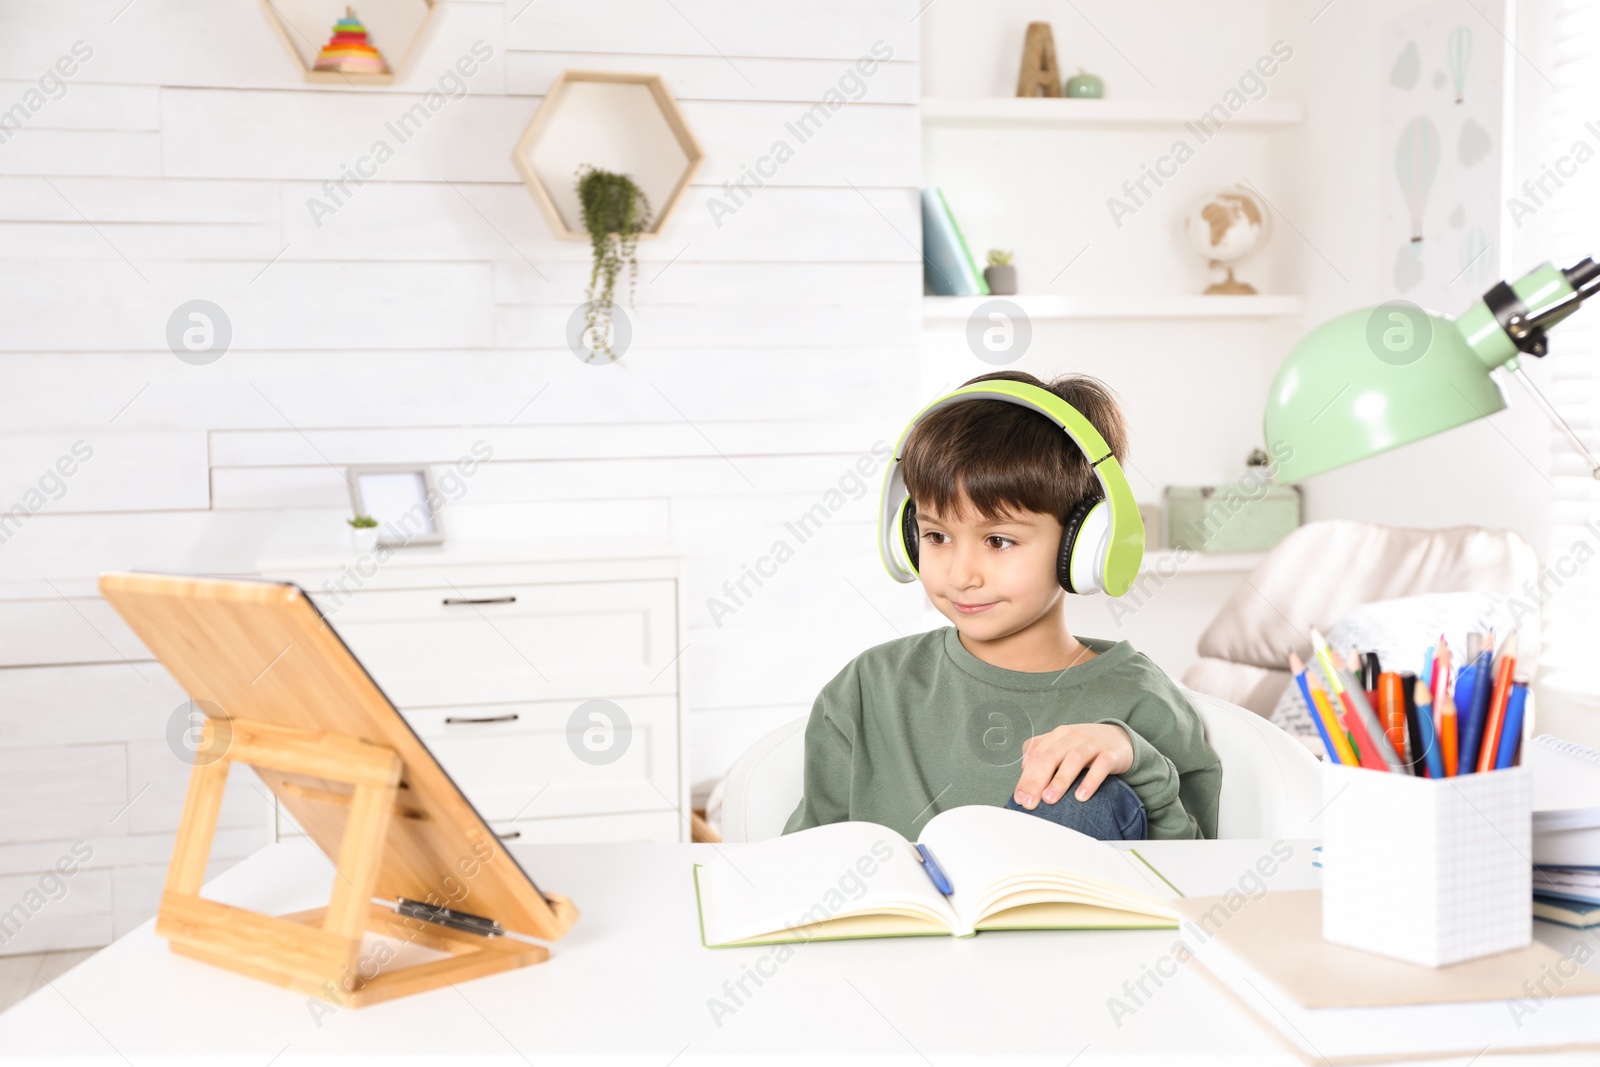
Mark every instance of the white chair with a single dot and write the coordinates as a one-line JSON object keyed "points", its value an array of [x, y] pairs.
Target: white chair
{"points": [[1271, 786]]}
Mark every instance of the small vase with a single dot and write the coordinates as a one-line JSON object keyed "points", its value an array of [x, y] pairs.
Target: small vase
{"points": [[1002, 279], [363, 539], [1084, 86]]}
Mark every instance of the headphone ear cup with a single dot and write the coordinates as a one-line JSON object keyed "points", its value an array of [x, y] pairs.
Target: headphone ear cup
{"points": [[1083, 531], [909, 536]]}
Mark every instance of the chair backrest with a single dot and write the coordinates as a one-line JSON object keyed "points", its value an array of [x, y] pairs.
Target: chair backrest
{"points": [[1271, 786]]}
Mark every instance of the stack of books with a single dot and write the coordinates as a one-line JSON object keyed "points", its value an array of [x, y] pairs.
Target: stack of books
{"points": [[1566, 831]]}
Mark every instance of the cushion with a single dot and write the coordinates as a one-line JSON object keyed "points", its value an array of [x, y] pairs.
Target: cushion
{"points": [[1400, 631], [1252, 688], [1324, 569]]}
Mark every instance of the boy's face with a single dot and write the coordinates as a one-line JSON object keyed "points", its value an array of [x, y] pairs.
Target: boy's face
{"points": [[990, 578]]}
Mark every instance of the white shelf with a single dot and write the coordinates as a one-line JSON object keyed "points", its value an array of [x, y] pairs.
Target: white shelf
{"points": [[1167, 560], [1065, 112], [1053, 306]]}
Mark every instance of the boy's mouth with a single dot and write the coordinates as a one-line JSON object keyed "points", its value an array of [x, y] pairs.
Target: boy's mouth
{"points": [[972, 609]]}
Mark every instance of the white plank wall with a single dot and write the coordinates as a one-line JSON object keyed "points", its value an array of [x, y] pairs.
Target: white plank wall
{"points": [[771, 349]]}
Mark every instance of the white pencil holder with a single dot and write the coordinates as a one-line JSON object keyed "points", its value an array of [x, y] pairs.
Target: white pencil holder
{"points": [[1434, 871]]}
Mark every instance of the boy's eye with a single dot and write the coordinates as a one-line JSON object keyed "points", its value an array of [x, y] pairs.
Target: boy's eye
{"points": [[934, 537], [995, 541]]}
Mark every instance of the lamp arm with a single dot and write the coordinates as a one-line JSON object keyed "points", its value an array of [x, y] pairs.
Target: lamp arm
{"points": [[1521, 375], [1584, 277]]}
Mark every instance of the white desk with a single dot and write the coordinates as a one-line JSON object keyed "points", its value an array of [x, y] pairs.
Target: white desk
{"points": [[631, 983]]}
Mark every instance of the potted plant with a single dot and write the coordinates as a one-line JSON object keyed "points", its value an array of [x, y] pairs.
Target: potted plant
{"points": [[1000, 274], [363, 533], [615, 213]]}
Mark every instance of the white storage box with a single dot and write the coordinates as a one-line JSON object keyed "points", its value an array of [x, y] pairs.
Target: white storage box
{"points": [[1434, 871]]}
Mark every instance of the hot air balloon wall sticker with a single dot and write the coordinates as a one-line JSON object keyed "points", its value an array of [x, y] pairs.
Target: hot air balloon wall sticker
{"points": [[1458, 55], [1438, 147], [1416, 163]]}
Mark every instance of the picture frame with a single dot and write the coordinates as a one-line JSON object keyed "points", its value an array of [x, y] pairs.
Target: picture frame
{"points": [[393, 493]]}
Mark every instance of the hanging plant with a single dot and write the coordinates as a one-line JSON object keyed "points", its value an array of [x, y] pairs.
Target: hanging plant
{"points": [[615, 213]]}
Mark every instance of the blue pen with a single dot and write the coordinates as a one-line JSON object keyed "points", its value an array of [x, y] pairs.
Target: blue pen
{"points": [[1511, 732], [936, 874], [1472, 726]]}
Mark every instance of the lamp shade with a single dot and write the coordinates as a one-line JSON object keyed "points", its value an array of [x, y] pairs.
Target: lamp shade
{"points": [[1372, 380]]}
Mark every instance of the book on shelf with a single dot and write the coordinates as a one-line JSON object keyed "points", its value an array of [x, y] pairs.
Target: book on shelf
{"points": [[1006, 870], [948, 268]]}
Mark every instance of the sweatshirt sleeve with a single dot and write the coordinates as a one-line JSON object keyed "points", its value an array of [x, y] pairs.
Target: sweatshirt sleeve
{"points": [[1175, 772], [830, 747]]}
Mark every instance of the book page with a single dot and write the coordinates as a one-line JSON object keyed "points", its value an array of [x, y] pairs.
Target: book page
{"points": [[801, 879], [994, 856]]}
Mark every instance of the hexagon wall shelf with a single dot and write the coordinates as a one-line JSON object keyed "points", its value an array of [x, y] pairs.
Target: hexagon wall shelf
{"points": [[621, 122], [393, 27]]}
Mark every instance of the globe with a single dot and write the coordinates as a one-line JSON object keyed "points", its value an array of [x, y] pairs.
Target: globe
{"points": [[1225, 229]]}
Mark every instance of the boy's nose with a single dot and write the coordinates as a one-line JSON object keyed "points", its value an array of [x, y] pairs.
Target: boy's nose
{"points": [[964, 570]]}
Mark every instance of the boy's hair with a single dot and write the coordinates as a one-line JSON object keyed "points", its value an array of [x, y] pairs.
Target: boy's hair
{"points": [[1002, 458]]}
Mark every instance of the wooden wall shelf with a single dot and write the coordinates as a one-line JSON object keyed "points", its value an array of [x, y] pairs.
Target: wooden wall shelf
{"points": [[1054, 306], [394, 28], [623, 122], [1065, 112]]}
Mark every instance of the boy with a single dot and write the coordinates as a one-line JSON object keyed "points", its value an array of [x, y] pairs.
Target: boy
{"points": [[1006, 706]]}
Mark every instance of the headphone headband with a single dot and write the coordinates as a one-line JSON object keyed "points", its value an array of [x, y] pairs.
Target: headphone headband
{"points": [[1124, 546]]}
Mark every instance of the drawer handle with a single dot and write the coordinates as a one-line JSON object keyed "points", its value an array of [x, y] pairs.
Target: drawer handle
{"points": [[479, 600], [457, 720], [512, 836]]}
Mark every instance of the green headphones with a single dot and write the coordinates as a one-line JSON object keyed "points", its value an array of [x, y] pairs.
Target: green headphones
{"points": [[1102, 538]]}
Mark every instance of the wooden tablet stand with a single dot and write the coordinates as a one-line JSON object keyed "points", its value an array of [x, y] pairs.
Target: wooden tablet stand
{"points": [[370, 795]]}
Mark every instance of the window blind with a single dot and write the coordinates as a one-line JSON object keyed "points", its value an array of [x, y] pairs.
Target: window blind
{"points": [[1568, 140]]}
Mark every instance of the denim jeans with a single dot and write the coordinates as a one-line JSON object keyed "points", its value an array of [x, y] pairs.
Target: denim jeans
{"points": [[1114, 813]]}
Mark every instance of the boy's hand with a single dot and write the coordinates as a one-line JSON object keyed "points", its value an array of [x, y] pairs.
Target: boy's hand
{"points": [[1050, 762]]}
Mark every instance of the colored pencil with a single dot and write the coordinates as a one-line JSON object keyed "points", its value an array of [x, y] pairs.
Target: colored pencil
{"points": [[1362, 721], [1366, 752], [1444, 709], [1431, 753], [1477, 713], [1298, 669], [1511, 735], [1342, 745], [1505, 661]]}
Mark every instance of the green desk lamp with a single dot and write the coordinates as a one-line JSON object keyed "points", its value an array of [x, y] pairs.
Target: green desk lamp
{"points": [[1377, 378]]}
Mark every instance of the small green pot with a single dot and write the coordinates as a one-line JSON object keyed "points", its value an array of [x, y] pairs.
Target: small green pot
{"points": [[1084, 86]]}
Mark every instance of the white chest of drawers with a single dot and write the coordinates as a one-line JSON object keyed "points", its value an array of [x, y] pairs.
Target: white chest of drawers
{"points": [[547, 684]]}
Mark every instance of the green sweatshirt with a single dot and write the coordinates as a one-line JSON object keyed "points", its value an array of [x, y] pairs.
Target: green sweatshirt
{"points": [[920, 725]]}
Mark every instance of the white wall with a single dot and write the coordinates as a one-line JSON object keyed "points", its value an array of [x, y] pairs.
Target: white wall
{"points": [[428, 312], [1193, 389], [1487, 473]]}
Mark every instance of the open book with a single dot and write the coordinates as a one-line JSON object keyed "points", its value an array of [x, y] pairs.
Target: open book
{"points": [[1007, 870]]}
